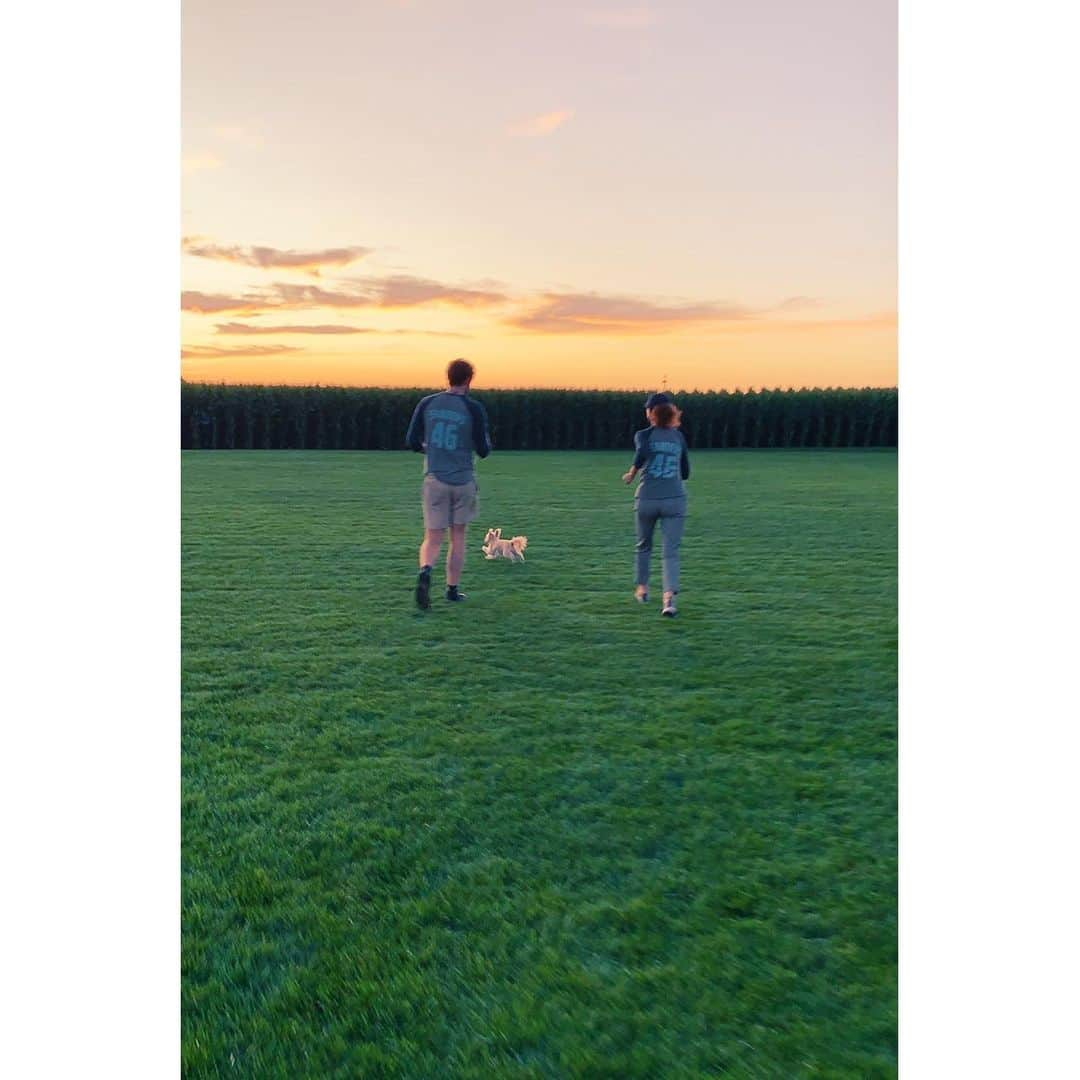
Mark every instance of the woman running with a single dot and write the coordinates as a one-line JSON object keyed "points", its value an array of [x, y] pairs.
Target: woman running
{"points": [[661, 458]]}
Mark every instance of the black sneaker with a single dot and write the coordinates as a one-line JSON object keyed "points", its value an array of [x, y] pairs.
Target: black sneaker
{"points": [[453, 594], [423, 591]]}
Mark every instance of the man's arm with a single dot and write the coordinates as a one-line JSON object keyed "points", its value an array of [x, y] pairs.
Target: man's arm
{"points": [[414, 437], [481, 437]]}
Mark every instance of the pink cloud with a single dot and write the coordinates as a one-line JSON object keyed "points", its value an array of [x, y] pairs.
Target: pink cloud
{"points": [[248, 328], [267, 258], [562, 313], [214, 352], [397, 291], [215, 303], [544, 124]]}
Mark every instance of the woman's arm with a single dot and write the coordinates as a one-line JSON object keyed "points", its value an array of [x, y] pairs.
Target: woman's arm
{"points": [[641, 456]]}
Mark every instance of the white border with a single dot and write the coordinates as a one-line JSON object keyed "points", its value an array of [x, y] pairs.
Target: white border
{"points": [[90, 756], [988, 189]]}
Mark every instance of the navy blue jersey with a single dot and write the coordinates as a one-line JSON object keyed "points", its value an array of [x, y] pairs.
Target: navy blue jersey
{"points": [[448, 428], [660, 454]]}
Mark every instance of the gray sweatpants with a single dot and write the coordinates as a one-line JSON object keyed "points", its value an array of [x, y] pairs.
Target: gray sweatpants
{"points": [[671, 513]]}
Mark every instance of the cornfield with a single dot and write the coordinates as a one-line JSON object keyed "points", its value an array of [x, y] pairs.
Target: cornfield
{"points": [[221, 417]]}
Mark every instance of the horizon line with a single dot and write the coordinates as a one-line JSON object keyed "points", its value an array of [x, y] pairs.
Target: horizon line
{"points": [[564, 389]]}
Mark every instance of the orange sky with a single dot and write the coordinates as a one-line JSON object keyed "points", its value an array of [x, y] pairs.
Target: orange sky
{"points": [[568, 196]]}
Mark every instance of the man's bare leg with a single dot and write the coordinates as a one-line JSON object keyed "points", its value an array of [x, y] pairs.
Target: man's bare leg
{"points": [[430, 547]]}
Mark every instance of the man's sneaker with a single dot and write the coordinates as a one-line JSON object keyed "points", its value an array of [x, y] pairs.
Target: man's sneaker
{"points": [[453, 594], [423, 591], [641, 598], [669, 611]]}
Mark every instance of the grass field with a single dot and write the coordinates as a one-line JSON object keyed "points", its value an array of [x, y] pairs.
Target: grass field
{"points": [[545, 833]]}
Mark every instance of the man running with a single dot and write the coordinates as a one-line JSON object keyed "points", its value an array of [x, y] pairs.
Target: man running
{"points": [[447, 428]]}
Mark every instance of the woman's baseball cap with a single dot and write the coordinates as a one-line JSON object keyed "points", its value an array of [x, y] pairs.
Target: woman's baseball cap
{"points": [[658, 399]]}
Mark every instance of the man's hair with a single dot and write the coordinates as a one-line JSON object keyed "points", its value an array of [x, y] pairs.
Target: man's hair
{"points": [[459, 372], [667, 415]]}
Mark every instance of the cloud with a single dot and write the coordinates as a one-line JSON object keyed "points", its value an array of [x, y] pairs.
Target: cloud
{"points": [[285, 295], [232, 133], [544, 124], [215, 303], [548, 313], [268, 258], [569, 313], [404, 290], [797, 303], [584, 313], [214, 352], [636, 18], [426, 333], [191, 163], [882, 320], [397, 291], [248, 328]]}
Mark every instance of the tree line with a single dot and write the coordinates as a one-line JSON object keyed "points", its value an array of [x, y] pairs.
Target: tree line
{"points": [[221, 417]]}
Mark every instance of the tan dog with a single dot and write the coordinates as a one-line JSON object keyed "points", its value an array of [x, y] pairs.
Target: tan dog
{"points": [[496, 547]]}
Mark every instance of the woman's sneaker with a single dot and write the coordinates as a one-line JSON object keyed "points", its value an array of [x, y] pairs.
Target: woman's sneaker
{"points": [[453, 594]]}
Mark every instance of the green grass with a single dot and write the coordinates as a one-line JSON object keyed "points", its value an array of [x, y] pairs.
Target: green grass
{"points": [[545, 833]]}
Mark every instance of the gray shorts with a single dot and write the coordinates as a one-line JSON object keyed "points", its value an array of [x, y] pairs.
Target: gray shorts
{"points": [[448, 504]]}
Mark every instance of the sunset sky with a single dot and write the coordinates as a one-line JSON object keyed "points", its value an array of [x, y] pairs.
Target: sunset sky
{"points": [[568, 194]]}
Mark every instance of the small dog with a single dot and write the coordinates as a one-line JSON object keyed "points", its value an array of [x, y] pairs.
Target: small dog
{"points": [[495, 546]]}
